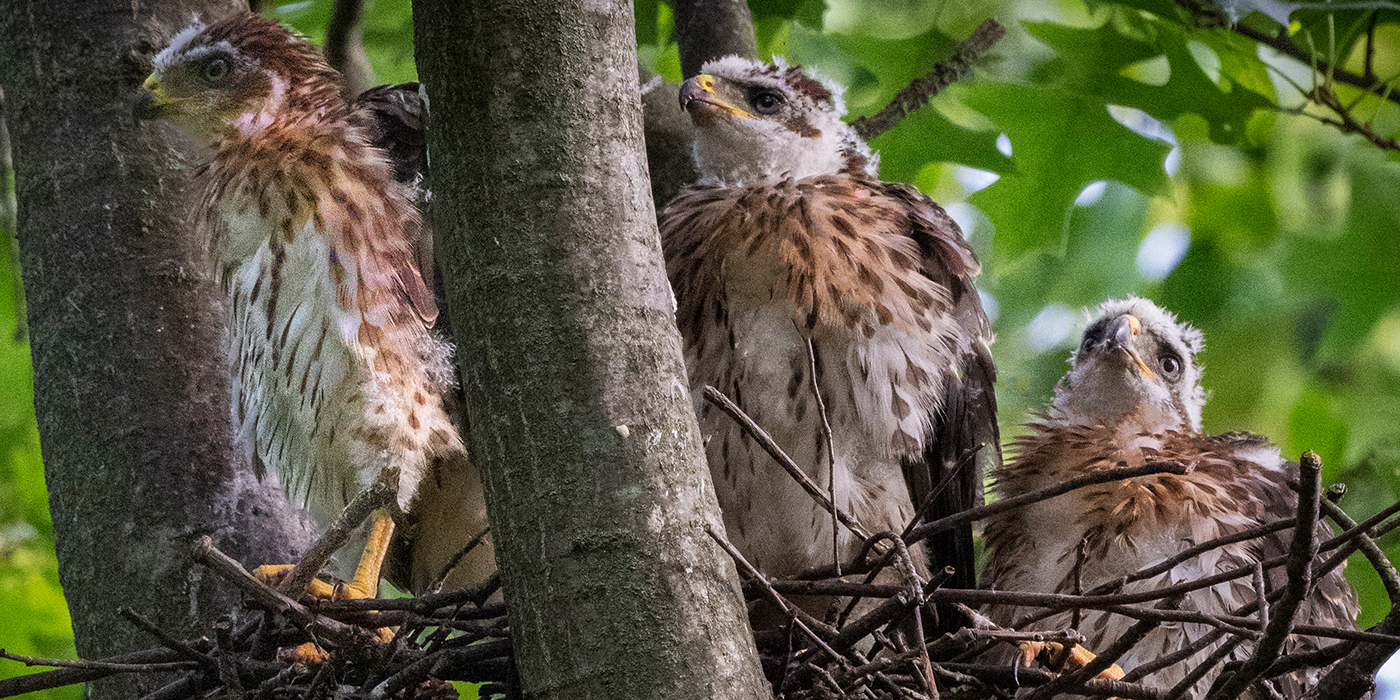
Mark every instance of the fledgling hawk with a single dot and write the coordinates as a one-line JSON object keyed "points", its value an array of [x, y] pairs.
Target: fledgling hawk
{"points": [[1133, 396], [790, 238], [338, 383]]}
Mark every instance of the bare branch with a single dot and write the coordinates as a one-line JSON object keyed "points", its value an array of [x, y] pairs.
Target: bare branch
{"points": [[710, 29], [335, 537], [968, 53], [345, 47], [207, 554], [761, 436], [1379, 561], [166, 640], [807, 626], [20, 685], [1210, 15], [1299, 566], [1194, 676]]}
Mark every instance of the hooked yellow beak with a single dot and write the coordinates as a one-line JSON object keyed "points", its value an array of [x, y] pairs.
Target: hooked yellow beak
{"points": [[706, 98], [1125, 328], [153, 102]]}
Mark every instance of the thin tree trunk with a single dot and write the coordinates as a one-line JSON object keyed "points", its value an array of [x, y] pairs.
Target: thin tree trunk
{"points": [[125, 320], [345, 46], [710, 29], [597, 487]]}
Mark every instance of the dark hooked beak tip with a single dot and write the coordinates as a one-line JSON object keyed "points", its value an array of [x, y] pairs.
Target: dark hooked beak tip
{"points": [[1122, 332]]}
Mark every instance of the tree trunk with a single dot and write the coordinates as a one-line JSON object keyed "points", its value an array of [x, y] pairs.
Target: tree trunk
{"points": [[597, 488], [131, 388], [710, 29]]}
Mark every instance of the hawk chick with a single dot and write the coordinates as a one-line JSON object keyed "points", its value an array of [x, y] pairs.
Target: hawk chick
{"points": [[788, 239], [338, 383], [1133, 396]]}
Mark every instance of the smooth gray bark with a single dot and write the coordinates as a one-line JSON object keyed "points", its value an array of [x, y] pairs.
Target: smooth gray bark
{"points": [[710, 29], [125, 319], [571, 362]]}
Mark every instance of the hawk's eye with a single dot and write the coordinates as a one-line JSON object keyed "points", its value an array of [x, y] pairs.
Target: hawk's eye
{"points": [[1171, 366], [215, 69], [768, 102]]}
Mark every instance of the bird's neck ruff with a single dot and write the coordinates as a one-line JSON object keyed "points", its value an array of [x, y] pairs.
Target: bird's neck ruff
{"points": [[1106, 405], [313, 105], [729, 157]]}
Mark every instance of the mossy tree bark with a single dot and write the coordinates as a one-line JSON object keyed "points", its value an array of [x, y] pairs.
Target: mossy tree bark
{"points": [[597, 487], [130, 379]]}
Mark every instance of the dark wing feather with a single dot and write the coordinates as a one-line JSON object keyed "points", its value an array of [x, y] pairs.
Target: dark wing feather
{"points": [[395, 118], [1334, 601], [964, 440]]}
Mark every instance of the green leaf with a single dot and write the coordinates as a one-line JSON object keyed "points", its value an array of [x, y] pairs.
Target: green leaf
{"points": [[646, 13], [806, 12], [1061, 142], [926, 136], [1096, 59]]}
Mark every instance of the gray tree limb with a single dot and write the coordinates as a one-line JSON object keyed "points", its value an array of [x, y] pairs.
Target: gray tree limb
{"points": [[571, 362], [710, 29], [130, 379]]}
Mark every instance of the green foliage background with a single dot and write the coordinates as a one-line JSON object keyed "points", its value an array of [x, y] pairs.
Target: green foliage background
{"points": [[1291, 269]]}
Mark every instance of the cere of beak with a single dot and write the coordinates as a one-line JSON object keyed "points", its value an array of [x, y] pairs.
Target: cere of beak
{"points": [[1121, 337], [698, 97]]}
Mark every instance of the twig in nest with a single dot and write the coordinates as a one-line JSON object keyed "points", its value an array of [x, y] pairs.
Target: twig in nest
{"points": [[334, 538], [830, 453], [1100, 477], [166, 640], [457, 559], [99, 665], [1261, 596], [1379, 561], [967, 54], [207, 554], [1194, 676], [44, 680], [1299, 567], [1106, 658], [792, 611], [1004, 676], [761, 436]]}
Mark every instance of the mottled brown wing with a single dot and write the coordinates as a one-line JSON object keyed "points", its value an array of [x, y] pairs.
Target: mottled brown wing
{"points": [[395, 119], [393, 116], [964, 441], [1334, 602]]}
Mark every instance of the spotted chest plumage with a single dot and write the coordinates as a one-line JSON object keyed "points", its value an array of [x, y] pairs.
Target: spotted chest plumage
{"points": [[868, 272], [336, 377], [1133, 397]]}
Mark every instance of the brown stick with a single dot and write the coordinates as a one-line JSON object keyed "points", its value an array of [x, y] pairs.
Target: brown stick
{"points": [[1006, 504], [337, 632], [169, 642], [830, 452], [1299, 567], [334, 538], [761, 436], [98, 665], [1373, 553], [967, 54], [795, 613], [45, 680]]}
